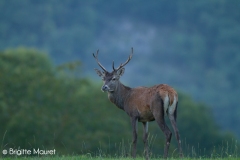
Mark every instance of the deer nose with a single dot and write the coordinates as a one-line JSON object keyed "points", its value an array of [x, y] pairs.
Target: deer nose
{"points": [[105, 88]]}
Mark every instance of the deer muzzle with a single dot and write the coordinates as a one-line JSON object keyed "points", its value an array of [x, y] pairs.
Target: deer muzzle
{"points": [[105, 88]]}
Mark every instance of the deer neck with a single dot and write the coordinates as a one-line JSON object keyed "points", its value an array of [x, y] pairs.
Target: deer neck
{"points": [[120, 95]]}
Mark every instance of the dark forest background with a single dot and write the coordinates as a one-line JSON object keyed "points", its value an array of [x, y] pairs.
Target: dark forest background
{"points": [[50, 95]]}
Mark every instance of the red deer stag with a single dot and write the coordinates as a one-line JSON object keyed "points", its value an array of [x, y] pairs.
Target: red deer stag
{"points": [[142, 104]]}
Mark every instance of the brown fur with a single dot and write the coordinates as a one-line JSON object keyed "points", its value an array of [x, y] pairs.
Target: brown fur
{"points": [[142, 104], [145, 104], [139, 100]]}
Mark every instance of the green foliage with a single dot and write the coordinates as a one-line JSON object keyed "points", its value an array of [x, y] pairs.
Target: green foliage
{"points": [[46, 107], [41, 106], [200, 132], [49, 25], [194, 44]]}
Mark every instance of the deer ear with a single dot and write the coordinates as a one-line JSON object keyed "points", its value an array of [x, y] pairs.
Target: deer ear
{"points": [[120, 71], [100, 73]]}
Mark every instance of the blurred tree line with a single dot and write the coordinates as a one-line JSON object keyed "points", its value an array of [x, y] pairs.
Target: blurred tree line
{"points": [[194, 44], [48, 107]]}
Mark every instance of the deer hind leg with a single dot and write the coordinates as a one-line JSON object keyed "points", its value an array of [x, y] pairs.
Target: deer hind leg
{"points": [[145, 140], [173, 119], [158, 113], [134, 131]]}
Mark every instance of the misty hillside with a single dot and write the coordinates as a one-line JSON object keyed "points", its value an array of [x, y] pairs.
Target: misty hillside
{"points": [[191, 45]]}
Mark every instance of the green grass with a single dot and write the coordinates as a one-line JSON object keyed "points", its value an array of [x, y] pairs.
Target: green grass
{"points": [[227, 152], [89, 157], [102, 156]]}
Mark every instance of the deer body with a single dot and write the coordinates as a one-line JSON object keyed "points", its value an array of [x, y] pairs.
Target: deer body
{"points": [[142, 104], [139, 101]]}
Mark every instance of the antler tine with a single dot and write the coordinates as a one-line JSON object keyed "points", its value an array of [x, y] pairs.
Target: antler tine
{"points": [[96, 57], [122, 65], [113, 66]]}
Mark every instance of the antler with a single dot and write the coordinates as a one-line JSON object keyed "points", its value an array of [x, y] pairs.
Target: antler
{"points": [[122, 65], [98, 61]]}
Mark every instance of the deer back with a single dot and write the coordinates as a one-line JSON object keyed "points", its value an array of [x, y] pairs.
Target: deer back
{"points": [[141, 99]]}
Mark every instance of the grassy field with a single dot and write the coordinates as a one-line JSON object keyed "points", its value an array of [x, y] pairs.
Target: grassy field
{"points": [[98, 156], [89, 157], [227, 152]]}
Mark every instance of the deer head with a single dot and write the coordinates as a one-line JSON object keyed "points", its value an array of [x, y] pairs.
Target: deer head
{"points": [[111, 79]]}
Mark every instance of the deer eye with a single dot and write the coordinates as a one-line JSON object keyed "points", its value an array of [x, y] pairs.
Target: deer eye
{"points": [[113, 78]]}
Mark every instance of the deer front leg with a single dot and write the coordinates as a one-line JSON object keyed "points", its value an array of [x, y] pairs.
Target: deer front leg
{"points": [[145, 139], [134, 131]]}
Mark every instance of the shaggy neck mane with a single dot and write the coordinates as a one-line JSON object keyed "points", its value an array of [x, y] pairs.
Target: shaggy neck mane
{"points": [[119, 96]]}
